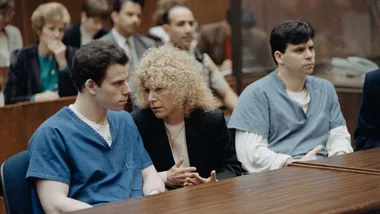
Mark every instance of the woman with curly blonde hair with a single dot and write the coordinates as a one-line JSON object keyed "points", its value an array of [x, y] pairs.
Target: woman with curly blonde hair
{"points": [[181, 126]]}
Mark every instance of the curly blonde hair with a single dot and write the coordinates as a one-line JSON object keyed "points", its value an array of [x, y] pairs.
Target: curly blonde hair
{"points": [[52, 11], [173, 69]]}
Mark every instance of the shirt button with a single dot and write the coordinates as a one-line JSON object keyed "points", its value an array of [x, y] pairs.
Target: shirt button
{"points": [[52, 72], [56, 86]]}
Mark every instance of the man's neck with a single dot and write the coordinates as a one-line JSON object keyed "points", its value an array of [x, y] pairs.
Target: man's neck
{"points": [[87, 107], [293, 83], [125, 35]]}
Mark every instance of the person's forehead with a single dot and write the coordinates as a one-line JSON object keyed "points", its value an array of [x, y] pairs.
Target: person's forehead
{"points": [[180, 14], [310, 42], [131, 7]]}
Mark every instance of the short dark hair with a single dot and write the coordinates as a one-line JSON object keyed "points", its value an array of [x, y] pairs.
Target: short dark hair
{"points": [[92, 60], [165, 17], [118, 4], [96, 8], [248, 18], [5, 4], [290, 32]]}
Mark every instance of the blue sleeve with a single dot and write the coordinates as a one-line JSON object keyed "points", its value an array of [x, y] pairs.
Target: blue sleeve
{"points": [[140, 149], [336, 116], [48, 158], [251, 112]]}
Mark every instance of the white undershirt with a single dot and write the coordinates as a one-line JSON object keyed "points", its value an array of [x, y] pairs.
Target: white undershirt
{"points": [[4, 51], [85, 36], [253, 152], [179, 150], [103, 130]]}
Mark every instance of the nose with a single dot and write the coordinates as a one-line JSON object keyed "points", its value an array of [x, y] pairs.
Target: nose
{"points": [[56, 33], [127, 90], [151, 96], [309, 53], [189, 28]]}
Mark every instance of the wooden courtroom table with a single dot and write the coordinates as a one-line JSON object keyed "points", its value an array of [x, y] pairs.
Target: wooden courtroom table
{"points": [[363, 160], [287, 190]]}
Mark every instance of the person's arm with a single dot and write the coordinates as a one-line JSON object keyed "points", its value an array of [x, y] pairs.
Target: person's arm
{"points": [[253, 152], [339, 141], [229, 98], [152, 182], [367, 130], [53, 197], [16, 90]]}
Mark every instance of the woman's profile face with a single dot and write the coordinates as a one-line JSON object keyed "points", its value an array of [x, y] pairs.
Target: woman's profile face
{"points": [[159, 99]]}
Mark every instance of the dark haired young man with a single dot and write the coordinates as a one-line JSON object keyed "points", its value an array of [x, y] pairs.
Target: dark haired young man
{"points": [[288, 115], [126, 17], [94, 14], [91, 152]]}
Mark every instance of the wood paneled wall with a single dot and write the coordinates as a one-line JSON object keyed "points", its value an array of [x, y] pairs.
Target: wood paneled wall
{"points": [[205, 11]]}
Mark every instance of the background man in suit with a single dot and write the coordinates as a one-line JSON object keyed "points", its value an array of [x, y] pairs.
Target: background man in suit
{"points": [[215, 40], [179, 24], [367, 133], [126, 16], [93, 15]]}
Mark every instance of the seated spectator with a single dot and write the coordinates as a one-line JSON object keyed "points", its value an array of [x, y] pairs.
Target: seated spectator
{"points": [[288, 115], [367, 133], [126, 16], [158, 33], [179, 23], [40, 72], [91, 152], [94, 14], [10, 36], [179, 121], [215, 40]]}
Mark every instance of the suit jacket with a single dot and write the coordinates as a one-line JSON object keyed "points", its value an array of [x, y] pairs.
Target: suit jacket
{"points": [[24, 76], [208, 143], [256, 52], [14, 41], [72, 36], [367, 133], [141, 43]]}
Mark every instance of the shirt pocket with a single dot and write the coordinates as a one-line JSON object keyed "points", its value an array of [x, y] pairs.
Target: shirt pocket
{"points": [[136, 183]]}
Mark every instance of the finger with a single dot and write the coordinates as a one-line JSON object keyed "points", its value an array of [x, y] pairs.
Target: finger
{"points": [[188, 169], [200, 179], [316, 150], [193, 181], [186, 184], [180, 162], [213, 175]]}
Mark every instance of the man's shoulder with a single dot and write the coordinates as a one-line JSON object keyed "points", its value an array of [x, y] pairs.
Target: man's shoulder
{"points": [[59, 121], [320, 83], [12, 30], [212, 27], [147, 41], [373, 76], [108, 37], [263, 84], [74, 28]]}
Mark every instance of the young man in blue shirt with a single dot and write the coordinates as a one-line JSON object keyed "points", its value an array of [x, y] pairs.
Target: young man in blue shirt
{"points": [[91, 152], [288, 115]]}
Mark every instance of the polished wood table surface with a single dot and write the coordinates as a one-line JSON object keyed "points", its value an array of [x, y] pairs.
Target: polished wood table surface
{"points": [[287, 190], [363, 160]]}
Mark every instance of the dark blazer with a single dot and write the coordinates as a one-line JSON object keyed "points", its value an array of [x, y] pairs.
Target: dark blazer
{"points": [[255, 46], [24, 76], [72, 35], [208, 143], [367, 133]]}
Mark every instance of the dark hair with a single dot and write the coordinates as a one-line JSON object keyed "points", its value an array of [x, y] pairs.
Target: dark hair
{"points": [[290, 32], [96, 8], [92, 60], [5, 4], [118, 4], [248, 18], [165, 17]]}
